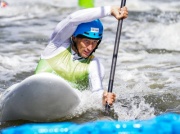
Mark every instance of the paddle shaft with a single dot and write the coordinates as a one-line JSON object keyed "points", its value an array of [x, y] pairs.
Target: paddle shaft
{"points": [[115, 54]]}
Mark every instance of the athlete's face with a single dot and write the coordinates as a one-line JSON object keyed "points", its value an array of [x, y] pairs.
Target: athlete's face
{"points": [[85, 46]]}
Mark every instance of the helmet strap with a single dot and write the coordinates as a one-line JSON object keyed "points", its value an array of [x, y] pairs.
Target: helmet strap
{"points": [[75, 46], [95, 48]]}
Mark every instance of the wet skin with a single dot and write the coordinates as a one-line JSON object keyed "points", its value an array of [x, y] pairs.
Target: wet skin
{"points": [[85, 46]]}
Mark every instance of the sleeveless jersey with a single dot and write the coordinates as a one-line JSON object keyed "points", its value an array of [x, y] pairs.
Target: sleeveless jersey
{"points": [[74, 71]]}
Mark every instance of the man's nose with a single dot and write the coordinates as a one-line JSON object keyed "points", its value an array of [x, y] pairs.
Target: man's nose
{"points": [[90, 46]]}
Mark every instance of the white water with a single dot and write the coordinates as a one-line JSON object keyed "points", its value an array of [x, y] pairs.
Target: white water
{"points": [[147, 72]]}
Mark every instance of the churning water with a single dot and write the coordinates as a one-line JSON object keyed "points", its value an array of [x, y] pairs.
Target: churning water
{"points": [[148, 66]]}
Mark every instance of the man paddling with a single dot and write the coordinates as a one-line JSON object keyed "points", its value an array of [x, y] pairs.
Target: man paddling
{"points": [[69, 53]]}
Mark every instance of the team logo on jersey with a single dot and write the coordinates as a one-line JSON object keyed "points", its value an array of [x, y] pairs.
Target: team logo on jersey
{"points": [[95, 30]]}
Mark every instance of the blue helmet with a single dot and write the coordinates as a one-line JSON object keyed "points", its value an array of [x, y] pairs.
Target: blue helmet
{"points": [[93, 29]]}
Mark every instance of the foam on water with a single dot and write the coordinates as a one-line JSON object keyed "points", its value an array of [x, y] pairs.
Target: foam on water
{"points": [[164, 37], [153, 36], [126, 107], [34, 7], [147, 69], [144, 5]]}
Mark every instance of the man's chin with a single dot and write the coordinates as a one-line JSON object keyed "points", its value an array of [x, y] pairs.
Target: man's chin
{"points": [[84, 56]]}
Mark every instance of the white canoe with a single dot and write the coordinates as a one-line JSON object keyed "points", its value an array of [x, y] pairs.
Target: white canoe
{"points": [[40, 97]]}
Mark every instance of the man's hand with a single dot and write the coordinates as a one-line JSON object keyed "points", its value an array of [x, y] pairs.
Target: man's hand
{"points": [[108, 98], [119, 13]]}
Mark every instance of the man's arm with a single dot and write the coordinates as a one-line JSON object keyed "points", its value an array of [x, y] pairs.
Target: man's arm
{"points": [[65, 28]]}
